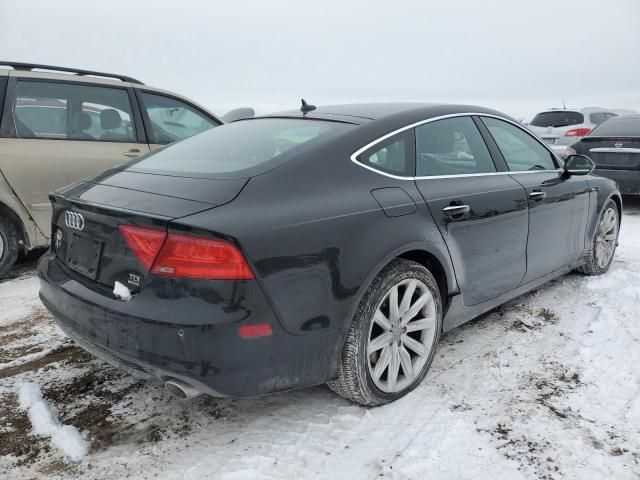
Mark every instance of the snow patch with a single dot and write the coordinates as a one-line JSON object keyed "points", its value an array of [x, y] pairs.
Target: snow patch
{"points": [[121, 292], [65, 438]]}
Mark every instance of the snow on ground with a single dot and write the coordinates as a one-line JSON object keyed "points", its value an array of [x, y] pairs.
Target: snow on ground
{"points": [[65, 437], [545, 387]]}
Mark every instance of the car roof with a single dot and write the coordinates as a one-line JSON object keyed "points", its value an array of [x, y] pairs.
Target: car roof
{"points": [[363, 113]]}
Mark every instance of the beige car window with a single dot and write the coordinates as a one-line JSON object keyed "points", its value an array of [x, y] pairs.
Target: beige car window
{"points": [[173, 120], [51, 110]]}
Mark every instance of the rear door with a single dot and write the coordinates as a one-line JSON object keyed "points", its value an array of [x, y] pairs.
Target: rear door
{"points": [[558, 204], [168, 119], [481, 211], [62, 132]]}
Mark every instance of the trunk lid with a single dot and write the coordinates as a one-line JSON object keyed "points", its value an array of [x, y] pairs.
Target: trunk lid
{"points": [[87, 216], [612, 153]]}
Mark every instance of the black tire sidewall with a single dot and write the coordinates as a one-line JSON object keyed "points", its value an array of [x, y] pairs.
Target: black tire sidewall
{"points": [[394, 273], [10, 242]]}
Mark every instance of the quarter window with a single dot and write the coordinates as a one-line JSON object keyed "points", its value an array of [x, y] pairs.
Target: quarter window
{"points": [[391, 155], [51, 110], [452, 146], [520, 150], [173, 120]]}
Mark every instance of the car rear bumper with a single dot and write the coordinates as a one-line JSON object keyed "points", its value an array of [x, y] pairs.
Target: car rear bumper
{"points": [[157, 339], [628, 180]]}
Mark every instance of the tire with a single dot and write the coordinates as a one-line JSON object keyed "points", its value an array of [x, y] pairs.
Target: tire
{"points": [[8, 246], [594, 262], [362, 376]]}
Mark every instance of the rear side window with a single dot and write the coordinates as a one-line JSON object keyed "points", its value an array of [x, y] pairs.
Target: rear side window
{"points": [[242, 148], [452, 146], [623, 126], [560, 118], [51, 110], [391, 155], [597, 118], [520, 150], [172, 119]]}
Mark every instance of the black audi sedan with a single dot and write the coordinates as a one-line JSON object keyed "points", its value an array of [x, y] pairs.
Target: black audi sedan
{"points": [[326, 245], [614, 146]]}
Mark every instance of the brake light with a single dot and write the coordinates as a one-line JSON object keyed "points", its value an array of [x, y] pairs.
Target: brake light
{"points": [[196, 257], [145, 243], [577, 132]]}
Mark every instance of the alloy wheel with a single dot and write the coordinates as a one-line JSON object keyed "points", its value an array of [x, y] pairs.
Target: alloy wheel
{"points": [[401, 335], [606, 237]]}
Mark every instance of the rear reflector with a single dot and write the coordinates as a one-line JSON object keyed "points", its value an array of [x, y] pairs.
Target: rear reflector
{"points": [[253, 331], [197, 257], [577, 132], [145, 243]]}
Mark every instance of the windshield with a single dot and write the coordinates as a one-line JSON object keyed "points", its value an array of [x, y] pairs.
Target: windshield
{"points": [[239, 147], [560, 118]]}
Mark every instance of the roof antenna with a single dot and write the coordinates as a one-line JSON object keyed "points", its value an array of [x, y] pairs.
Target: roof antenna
{"points": [[564, 107], [306, 108]]}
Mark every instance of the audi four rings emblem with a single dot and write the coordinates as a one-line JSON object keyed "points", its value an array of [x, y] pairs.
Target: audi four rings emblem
{"points": [[74, 220]]}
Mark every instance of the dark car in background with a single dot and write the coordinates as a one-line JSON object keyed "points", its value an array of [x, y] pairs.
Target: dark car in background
{"points": [[614, 146], [322, 245]]}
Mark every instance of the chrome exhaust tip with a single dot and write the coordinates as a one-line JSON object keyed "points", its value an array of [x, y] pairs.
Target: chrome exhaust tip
{"points": [[180, 389]]}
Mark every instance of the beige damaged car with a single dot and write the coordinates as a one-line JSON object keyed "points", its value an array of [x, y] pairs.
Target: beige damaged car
{"points": [[57, 128]]}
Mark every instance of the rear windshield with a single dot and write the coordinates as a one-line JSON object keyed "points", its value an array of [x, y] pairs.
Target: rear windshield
{"points": [[557, 119], [618, 127], [240, 149]]}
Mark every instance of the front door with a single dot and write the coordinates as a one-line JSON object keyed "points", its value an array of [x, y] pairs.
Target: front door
{"points": [[63, 133], [558, 204], [482, 213]]}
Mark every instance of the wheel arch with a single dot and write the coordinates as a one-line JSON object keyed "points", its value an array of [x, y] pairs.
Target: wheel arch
{"points": [[8, 213], [618, 201], [431, 258], [431, 263]]}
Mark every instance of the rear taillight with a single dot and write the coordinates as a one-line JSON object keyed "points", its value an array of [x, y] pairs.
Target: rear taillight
{"points": [[577, 132], [145, 243], [186, 256], [197, 257]]}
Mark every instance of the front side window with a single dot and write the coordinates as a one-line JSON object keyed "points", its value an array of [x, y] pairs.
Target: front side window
{"points": [[520, 150], [173, 120], [242, 148], [452, 146], [390, 156], [51, 110]]}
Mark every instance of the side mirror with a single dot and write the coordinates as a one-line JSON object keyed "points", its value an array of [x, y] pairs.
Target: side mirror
{"points": [[579, 165], [238, 114]]}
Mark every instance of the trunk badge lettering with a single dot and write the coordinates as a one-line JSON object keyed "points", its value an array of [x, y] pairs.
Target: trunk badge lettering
{"points": [[618, 144], [134, 280], [74, 220]]}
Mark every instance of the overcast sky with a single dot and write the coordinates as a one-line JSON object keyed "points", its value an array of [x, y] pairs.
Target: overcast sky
{"points": [[516, 56]]}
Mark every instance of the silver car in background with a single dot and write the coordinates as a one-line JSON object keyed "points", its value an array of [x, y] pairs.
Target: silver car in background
{"points": [[560, 128]]}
